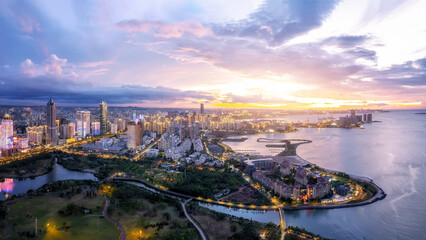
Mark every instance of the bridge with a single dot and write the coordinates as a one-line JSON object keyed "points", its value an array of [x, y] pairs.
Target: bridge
{"points": [[282, 221]]}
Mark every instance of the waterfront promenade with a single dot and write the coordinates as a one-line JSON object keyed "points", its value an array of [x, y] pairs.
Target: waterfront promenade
{"points": [[378, 196]]}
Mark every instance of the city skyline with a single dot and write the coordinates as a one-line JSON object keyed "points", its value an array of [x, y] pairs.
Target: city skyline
{"points": [[257, 54], [200, 119]]}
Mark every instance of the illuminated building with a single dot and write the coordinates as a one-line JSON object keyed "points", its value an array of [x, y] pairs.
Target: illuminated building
{"points": [[70, 130], [83, 123], [23, 143], [7, 132], [52, 130], [96, 128], [114, 128], [103, 108], [133, 135], [35, 134]]}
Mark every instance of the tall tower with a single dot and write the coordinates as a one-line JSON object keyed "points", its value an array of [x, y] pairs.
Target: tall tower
{"points": [[103, 116], [6, 133], [52, 130], [202, 108]]}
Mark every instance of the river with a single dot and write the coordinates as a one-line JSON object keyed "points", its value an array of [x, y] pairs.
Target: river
{"points": [[391, 152], [13, 186]]}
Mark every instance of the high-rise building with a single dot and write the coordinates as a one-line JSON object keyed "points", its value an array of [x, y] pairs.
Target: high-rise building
{"points": [[71, 130], [103, 117], [194, 130], [202, 108], [96, 128], [52, 128], [133, 135], [83, 123], [369, 117], [62, 128], [35, 134], [6, 133], [114, 128]]}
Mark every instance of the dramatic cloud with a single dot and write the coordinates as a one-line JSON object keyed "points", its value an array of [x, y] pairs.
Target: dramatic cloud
{"points": [[278, 21], [292, 53], [68, 91]]}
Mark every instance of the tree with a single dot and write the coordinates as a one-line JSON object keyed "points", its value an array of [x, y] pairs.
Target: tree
{"points": [[166, 216]]}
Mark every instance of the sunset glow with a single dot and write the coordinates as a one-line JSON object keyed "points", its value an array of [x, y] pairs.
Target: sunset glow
{"points": [[248, 54]]}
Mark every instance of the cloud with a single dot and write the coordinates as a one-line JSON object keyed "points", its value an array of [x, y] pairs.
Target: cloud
{"points": [[115, 51], [164, 30], [51, 66], [346, 41], [38, 82], [279, 21], [68, 91], [95, 64]]}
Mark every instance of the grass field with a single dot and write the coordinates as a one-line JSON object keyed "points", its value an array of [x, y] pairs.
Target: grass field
{"points": [[22, 214]]}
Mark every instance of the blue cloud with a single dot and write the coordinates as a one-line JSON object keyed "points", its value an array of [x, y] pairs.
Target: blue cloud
{"points": [[283, 20]]}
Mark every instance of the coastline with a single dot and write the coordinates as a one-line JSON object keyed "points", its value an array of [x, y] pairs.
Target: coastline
{"points": [[379, 196]]}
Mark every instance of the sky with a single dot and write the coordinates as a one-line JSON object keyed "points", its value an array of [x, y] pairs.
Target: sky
{"points": [[295, 54]]}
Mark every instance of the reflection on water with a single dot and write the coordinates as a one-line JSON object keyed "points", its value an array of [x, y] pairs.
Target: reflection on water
{"points": [[6, 187], [20, 186], [255, 215], [391, 152]]}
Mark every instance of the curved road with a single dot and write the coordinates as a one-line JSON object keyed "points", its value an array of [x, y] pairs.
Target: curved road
{"points": [[379, 196], [200, 230]]}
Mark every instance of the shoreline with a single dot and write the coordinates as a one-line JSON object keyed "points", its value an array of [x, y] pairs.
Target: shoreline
{"points": [[14, 176], [380, 195]]}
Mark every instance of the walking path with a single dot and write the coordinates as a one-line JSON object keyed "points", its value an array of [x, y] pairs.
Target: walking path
{"points": [[116, 223], [200, 230], [379, 196]]}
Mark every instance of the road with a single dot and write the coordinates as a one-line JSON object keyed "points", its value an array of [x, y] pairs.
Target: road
{"points": [[200, 230], [116, 223], [283, 225]]}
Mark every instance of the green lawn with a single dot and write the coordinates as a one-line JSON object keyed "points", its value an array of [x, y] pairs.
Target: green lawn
{"points": [[21, 218]]}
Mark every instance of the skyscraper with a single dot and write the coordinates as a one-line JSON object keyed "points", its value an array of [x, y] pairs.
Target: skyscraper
{"points": [[202, 108], [103, 116], [133, 135], [83, 123], [52, 130], [6, 132]]}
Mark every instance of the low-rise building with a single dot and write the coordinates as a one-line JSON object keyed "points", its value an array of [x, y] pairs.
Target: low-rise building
{"points": [[260, 177], [301, 176], [286, 191], [342, 190]]}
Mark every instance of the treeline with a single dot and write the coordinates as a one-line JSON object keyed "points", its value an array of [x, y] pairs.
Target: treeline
{"points": [[206, 183], [296, 231], [28, 163], [69, 188], [128, 197]]}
